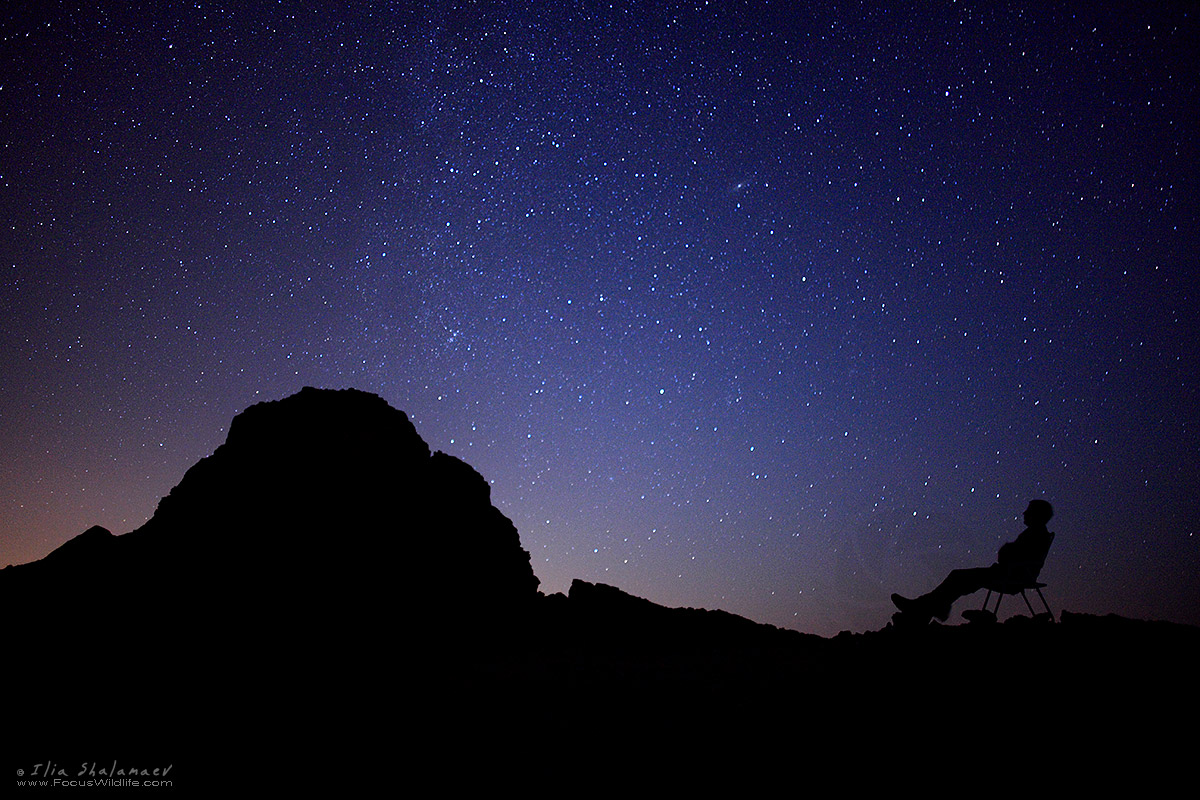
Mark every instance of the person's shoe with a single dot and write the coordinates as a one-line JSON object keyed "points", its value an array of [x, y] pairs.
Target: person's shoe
{"points": [[941, 611], [914, 610]]}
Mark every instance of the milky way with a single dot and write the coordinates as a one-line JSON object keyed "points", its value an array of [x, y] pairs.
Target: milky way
{"points": [[775, 308]]}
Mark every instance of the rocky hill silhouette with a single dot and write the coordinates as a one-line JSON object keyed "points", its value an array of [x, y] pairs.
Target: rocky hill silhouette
{"points": [[321, 500], [324, 582]]}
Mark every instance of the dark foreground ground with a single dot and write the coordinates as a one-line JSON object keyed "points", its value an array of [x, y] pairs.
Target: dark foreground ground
{"points": [[601, 679]]}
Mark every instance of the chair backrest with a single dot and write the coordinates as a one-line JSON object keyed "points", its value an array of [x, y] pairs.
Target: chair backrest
{"points": [[1036, 564], [1023, 574]]}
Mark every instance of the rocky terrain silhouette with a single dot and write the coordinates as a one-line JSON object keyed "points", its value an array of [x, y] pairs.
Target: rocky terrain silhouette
{"points": [[324, 582]]}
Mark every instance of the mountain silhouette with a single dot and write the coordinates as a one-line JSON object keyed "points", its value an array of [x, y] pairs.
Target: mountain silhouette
{"points": [[324, 582], [317, 560], [323, 501]]}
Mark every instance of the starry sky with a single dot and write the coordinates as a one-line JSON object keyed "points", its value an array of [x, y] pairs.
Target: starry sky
{"points": [[770, 307]]}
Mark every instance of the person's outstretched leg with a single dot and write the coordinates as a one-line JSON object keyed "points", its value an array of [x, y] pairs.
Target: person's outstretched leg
{"points": [[937, 603]]}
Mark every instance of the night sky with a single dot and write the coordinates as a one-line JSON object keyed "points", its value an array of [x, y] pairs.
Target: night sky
{"points": [[774, 308]]}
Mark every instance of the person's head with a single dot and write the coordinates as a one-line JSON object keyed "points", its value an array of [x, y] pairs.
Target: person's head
{"points": [[1038, 513]]}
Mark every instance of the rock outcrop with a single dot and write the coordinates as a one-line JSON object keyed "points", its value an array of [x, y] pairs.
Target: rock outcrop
{"points": [[322, 567], [326, 504]]}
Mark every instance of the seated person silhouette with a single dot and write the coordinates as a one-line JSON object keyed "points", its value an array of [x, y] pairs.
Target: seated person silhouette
{"points": [[1024, 554]]}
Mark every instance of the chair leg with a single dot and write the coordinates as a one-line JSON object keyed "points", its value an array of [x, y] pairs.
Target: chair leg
{"points": [[1047, 605], [1028, 604]]}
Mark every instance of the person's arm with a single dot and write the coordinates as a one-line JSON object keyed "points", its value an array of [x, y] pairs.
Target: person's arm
{"points": [[1018, 550], [1006, 552]]}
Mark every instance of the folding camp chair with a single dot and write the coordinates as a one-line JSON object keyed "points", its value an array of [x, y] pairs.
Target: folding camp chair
{"points": [[1018, 579]]}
